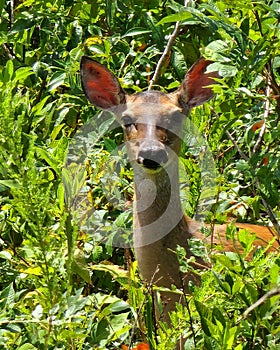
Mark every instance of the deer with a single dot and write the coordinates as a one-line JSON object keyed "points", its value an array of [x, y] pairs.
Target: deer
{"points": [[152, 123]]}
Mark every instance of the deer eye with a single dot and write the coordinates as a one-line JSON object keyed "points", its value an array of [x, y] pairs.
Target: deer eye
{"points": [[127, 120], [164, 138]]}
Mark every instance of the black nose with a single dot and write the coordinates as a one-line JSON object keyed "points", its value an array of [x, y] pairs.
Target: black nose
{"points": [[152, 155]]}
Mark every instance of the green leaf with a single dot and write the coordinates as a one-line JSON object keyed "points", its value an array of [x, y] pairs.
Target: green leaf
{"points": [[204, 314], [57, 80], [178, 17], [97, 253], [4, 254], [37, 313], [136, 31], [13, 328], [119, 306], [218, 46], [47, 157], [8, 71], [10, 183], [229, 337], [35, 271], [79, 266], [110, 144], [61, 196], [217, 315], [37, 109], [23, 73], [22, 24], [7, 296], [274, 274], [111, 9], [27, 346], [2, 4], [73, 180]]}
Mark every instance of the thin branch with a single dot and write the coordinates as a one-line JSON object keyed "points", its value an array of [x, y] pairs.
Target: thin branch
{"points": [[265, 117], [11, 13], [263, 299], [275, 88], [274, 85], [8, 52], [256, 148], [241, 153], [258, 21], [269, 211], [166, 51], [165, 55], [257, 183], [191, 322]]}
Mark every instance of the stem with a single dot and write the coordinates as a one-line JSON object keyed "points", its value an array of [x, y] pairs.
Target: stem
{"points": [[274, 86], [165, 55], [191, 322], [265, 116], [269, 294], [268, 209], [258, 187], [166, 52], [242, 155], [11, 13]]}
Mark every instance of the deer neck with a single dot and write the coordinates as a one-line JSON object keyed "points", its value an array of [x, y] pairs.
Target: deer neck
{"points": [[160, 226], [157, 207]]}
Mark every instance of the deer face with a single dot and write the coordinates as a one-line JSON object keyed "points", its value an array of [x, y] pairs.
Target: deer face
{"points": [[152, 124], [152, 121]]}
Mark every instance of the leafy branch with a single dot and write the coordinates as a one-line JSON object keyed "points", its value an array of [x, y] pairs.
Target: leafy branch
{"points": [[166, 53]]}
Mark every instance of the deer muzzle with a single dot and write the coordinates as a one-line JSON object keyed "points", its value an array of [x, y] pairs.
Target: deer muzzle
{"points": [[152, 154]]}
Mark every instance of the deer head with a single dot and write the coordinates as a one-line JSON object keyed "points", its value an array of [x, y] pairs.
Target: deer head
{"points": [[152, 120]]}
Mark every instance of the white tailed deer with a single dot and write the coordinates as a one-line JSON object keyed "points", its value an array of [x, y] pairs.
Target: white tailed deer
{"points": [[152, 123]]}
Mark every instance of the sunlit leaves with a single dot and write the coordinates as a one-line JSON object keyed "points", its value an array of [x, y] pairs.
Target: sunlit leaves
{"points": [[58, 282]]}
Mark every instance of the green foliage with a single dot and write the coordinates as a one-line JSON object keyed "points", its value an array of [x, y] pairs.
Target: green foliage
{"points": [[61, 287], [237, 285]]}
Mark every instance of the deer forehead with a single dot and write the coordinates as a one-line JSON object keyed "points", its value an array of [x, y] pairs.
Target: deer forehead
{"points": [[151, 107]]}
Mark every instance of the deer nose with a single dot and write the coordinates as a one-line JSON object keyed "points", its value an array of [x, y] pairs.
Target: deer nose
{"points": [[152, 155]]}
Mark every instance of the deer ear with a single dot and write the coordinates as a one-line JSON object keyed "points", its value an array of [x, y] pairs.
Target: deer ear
{"points": [[100, 86], [193, 91]]}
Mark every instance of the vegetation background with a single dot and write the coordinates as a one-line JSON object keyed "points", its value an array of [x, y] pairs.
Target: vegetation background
{"points": [[65, 288]]}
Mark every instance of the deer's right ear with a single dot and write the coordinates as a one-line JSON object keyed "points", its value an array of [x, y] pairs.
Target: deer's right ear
{"points": [[100, 86], [194, 89]]}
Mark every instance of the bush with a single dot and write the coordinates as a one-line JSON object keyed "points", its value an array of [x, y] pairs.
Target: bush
{"points": [[63, 287]]}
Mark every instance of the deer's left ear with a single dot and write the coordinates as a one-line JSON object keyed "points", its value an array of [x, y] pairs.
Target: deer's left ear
{"points": [[100, 86], [193, 90]]}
